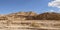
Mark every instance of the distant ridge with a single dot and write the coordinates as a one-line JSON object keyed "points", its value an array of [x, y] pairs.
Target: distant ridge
{"points": [[31, 16], [49, 16]]}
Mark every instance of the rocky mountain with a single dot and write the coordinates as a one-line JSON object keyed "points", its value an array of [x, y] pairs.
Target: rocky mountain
{"points": [[31, 16]]}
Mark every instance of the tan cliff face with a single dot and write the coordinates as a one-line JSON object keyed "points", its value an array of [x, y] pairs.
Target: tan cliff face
{"points": [[31, 16]]}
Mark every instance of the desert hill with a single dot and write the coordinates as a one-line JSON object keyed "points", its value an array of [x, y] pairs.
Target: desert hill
{"points": [[49, 16], [31, 16], [19, 16]]}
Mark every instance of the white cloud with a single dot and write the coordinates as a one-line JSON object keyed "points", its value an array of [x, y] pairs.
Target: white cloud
{"points": [[55, 3]]}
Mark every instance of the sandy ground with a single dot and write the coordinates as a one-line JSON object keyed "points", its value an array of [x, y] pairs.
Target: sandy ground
{"points": [[16, 25]]}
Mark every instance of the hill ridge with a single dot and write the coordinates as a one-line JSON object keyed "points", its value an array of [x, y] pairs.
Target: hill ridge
{"points": [[31, 16]]}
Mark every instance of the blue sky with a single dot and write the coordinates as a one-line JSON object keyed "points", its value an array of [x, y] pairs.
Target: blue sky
{"points": [[38, 6]]}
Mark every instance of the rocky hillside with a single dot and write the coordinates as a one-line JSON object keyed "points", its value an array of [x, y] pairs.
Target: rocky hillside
{"points": [[49, 16], [19, 16], [31, 16]]}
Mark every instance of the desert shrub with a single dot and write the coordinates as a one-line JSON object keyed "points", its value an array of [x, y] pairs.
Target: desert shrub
{"points": [[35, 24]]}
